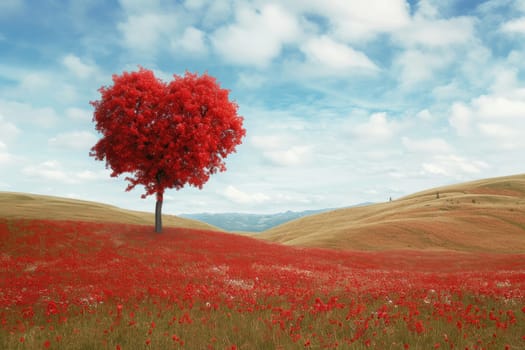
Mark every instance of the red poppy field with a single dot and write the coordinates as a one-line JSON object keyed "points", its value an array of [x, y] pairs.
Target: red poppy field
{"points": [[79, 285]]}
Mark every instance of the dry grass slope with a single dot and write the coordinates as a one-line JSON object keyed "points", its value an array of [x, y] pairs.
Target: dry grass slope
{"points": [[32, 206], [484, 216]]}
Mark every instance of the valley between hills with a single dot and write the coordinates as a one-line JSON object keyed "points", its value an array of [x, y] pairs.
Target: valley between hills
{"points": [[480, 216]]}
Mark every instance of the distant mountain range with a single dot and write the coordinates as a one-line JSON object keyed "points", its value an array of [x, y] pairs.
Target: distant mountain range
{"points": [[252, 222]]}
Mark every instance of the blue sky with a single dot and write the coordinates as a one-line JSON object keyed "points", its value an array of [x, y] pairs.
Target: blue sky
{"points": [[344, 101]]}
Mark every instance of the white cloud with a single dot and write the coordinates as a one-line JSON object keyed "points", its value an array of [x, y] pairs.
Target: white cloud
{"points": [[77, 140], [26, 113], [460, 118], [433, 44], [270, 141], [283, 150], [258, 35], [35, 81], [192, 41], [425, 115], [453, 166], [211, 12], [8, 130], [138, 6], [357, 21], [88, 175], [53, 170], [498, 118], [79, 114], [450, 91], [506, 78], [323, 53], [499, 107], [429, 145], [49, 170], [79, 68], [417, 66], [377, 129], [234, 194], [294, 155], [514, 26], [5, 156], [492, 109], [426, 9], [44, 86], [251, 80], [195, 5], [437, 33], [143, 32]]}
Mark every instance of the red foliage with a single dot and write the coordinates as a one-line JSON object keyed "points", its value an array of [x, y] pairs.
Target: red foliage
{"points": [[165, 134], [358, 294]]}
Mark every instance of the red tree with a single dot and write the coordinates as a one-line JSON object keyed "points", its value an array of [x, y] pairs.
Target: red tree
{"points": [[166, 135]]}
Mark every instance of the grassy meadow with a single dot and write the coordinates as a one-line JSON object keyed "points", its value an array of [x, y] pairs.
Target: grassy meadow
{"points": [[81, 275]]}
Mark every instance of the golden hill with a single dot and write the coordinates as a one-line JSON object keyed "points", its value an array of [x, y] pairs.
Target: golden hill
{"points": [[486, 215], [32, 206]]}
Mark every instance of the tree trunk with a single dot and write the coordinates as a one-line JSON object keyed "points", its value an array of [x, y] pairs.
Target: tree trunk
{"points": [[158, 216]]}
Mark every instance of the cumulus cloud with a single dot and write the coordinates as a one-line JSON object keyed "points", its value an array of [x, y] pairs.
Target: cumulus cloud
{"points": [[294, 155], [8, 130], [79, 114], [49, 170], [5, 156], [378, 128], [425, 115], [257, 36], [234, 194], [79, 68], [432, 45], [453, 166], [251, 80], [282, 150], [430, 145], [35, 81], [26, 113], [52, 170], [143, 31], [325, 54], [460, 118], [356, 21], [514, 26], [192, 41], [271, 141], [417, 66], [497, 118], [76, 140], [436, 33]]}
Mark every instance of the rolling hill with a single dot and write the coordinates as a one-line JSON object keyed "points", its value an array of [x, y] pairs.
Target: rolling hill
{"points": [[32, 206], [486, 215]]}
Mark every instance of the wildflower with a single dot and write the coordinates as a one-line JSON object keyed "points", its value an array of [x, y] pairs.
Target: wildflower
{"points": [[52, 308], [419, 327], [119, 309]]}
